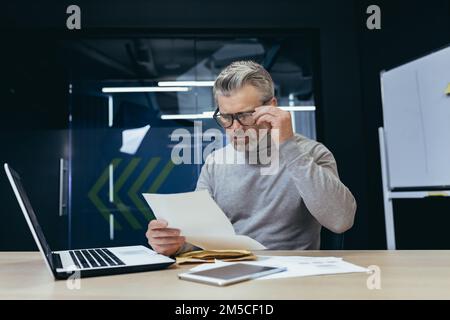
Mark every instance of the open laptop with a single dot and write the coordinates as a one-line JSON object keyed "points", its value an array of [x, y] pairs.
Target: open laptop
{"points": [[86, 262]]}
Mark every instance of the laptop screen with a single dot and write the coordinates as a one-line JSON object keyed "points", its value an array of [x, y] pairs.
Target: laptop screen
{"points": [[30, 213]]}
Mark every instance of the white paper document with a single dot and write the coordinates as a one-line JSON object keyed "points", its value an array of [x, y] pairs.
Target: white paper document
{"points": [[200, 220], [297, 266]]}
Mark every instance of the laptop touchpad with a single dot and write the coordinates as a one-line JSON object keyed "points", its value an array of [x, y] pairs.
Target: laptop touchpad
{"points": [[133, 252]]}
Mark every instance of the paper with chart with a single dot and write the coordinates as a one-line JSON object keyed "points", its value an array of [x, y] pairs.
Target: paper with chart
{"points": [[200, 220], [296, 266]]}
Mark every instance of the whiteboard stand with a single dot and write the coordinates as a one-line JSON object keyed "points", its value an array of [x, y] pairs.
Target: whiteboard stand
{"points": [[389, 195]]}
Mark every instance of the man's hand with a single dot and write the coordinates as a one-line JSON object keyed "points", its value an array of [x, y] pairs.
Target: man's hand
{"points": [[277, 119], [164, 240]]}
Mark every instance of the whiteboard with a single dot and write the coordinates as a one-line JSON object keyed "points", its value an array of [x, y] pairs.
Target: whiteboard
{"points": [[416, 116]]}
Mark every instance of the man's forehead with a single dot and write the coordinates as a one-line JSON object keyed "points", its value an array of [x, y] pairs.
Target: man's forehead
{"points": [[242, 100]]}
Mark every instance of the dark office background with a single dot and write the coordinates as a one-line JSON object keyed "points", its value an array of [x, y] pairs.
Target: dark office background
{"points": [[350, 57]]}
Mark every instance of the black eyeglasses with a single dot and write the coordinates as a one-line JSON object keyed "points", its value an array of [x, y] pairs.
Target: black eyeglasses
{"points": [[244, 118], [226, 120]]}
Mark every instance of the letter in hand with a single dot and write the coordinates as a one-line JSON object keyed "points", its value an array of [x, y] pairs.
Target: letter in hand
{"points": [[164, 240]]}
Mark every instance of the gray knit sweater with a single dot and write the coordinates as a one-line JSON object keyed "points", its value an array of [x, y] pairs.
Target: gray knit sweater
{"points": [[285, 210]]}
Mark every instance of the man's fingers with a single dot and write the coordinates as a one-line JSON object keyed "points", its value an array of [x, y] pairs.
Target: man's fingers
{"points": [[260, 111], [157, 223], [164, 240], [167, 241], [165, 232], [267, 118], [166, 250], [166, 246], [162, 233]]}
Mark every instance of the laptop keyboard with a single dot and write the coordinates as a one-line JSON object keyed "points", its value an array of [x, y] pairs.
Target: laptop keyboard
{"points": [[95, 258]]}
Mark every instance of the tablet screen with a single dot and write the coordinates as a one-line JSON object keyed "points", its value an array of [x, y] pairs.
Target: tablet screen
{"points": [[232, 271]]}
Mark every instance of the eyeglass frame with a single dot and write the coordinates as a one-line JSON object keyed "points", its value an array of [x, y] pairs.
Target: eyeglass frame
{"points": [[234, 116]]}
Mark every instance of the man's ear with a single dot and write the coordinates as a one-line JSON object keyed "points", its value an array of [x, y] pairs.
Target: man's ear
{"points": [[274, 102]]}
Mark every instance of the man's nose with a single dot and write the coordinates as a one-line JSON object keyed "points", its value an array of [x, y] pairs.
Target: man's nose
{"points": [[236, 125]]}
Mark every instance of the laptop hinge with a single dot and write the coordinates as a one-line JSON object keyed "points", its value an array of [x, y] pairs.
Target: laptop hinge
{"points": [[57, 263]]}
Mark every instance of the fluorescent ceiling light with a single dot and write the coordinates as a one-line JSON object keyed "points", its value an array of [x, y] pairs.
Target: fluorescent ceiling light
{"points": [[186, 83], [204, 115], [144, 89], [298, 108]]}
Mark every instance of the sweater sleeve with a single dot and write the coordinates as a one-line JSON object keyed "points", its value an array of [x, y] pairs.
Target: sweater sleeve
{"points": [[314, 173]]}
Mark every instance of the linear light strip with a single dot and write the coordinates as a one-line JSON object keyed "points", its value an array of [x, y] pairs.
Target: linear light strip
{"points": [[111, 183], [111, 226], [186, 83], [143, 89], [298, 108], [186, 116], [110, 111]]}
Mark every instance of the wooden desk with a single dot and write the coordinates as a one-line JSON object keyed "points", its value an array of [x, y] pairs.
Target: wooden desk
{"points": [[404, 275]]}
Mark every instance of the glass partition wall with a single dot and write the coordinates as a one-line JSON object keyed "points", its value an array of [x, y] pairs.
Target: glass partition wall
{"points": [[127, 96]]}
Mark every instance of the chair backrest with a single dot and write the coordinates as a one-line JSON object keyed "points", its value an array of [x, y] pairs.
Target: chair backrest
{"points": [[331, 241]]}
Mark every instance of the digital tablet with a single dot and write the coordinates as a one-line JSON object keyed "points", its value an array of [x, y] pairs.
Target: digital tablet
{"points": [[225, 275]]}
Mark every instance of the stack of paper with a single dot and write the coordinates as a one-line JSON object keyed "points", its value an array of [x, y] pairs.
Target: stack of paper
{"points": [[297, 266], [200, 220]]}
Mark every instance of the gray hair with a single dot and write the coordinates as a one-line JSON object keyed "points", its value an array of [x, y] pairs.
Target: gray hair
{"points": [[241, 73]]}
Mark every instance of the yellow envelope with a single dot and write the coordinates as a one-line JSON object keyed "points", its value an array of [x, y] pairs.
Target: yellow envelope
{"points": [[202, 256]]}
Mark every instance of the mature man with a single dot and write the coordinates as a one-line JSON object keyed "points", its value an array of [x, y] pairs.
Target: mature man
{"points": [[284, 210]]}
